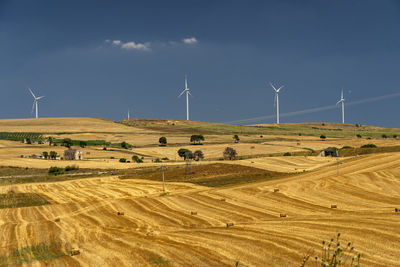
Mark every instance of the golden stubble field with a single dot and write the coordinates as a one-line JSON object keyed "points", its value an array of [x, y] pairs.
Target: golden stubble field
{"points": [[158, 229]]}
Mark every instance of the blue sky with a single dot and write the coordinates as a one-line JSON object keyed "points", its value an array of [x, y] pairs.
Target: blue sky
{"points": [[230, 50]]}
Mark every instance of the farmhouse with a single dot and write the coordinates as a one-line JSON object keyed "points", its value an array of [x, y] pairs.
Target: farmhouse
{"points": [[73, 154], [330, 151]]}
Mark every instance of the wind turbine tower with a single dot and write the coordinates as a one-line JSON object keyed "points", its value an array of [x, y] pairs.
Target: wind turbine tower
{"points": [[129, 115], [187, 91], [276, 100], [35, 103], [342, 101]]}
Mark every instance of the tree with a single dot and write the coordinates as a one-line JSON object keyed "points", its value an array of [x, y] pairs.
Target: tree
{"points": [[162, 141], [45, 154], [122, 160], [384, 136], [53, 155], [136, 159], [358, 135], [323, 137], [236, 138], [82, 144], [196, 138], [188, 155], [125, 145], [182, 152], [67, 142], [230, 153], [50, 140], [198, 155]]}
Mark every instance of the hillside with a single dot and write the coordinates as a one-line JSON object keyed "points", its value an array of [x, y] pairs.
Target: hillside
{"points": [[64, 125]]}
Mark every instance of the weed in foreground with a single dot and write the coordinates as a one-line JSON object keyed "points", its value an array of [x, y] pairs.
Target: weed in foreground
{"points": [[333, 254]]}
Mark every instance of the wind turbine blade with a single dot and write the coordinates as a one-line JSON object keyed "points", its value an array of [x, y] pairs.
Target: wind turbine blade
{"points": [[182, 93], [32, 93], [40, 97], [33, 106], [189, 93], [273, 86], [186, 81], [342, 93], [338, 102], [280, 88]]}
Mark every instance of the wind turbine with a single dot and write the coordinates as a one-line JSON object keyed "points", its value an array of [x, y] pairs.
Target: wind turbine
{"points": [[186, 90], [129, 115], [277, 101], [341, 101], [35, 103]]}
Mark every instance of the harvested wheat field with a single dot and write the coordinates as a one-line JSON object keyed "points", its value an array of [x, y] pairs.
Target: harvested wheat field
{"points": [[188, 226]]}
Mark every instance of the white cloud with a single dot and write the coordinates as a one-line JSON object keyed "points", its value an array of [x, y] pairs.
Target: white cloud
{"points": [[116, 42], [107, 41], [136, 46], [191, 40]]}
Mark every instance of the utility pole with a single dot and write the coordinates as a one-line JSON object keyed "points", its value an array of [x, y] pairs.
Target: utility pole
{"points": [[163, 180]]}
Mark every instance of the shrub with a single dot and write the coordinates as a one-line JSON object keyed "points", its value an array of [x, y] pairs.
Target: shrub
{"points": [[384, 136], [236, 138], [230, 153], [323, 137], [125, 145], [136, 159], [104, 148], [358, 135], [71, 168], [165, 158], [82, 144], [122, 160], [162, 141], [55, 171], [157, 160], [198, 155], [287, 154], [395, 136], [369, 146], [347, 147]]}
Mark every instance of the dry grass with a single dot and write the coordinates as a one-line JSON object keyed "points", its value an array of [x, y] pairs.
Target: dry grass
{"points": [[65, 125], [17, 200]]}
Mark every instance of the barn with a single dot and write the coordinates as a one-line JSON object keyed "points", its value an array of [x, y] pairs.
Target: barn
{"points": [[330, 151], [73, 154]]}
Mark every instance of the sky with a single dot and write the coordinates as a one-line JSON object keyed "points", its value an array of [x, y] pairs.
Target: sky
{"points": [[100, 58]]}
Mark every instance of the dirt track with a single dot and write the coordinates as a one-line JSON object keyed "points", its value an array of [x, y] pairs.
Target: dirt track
{"points": [[158, 229]]}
